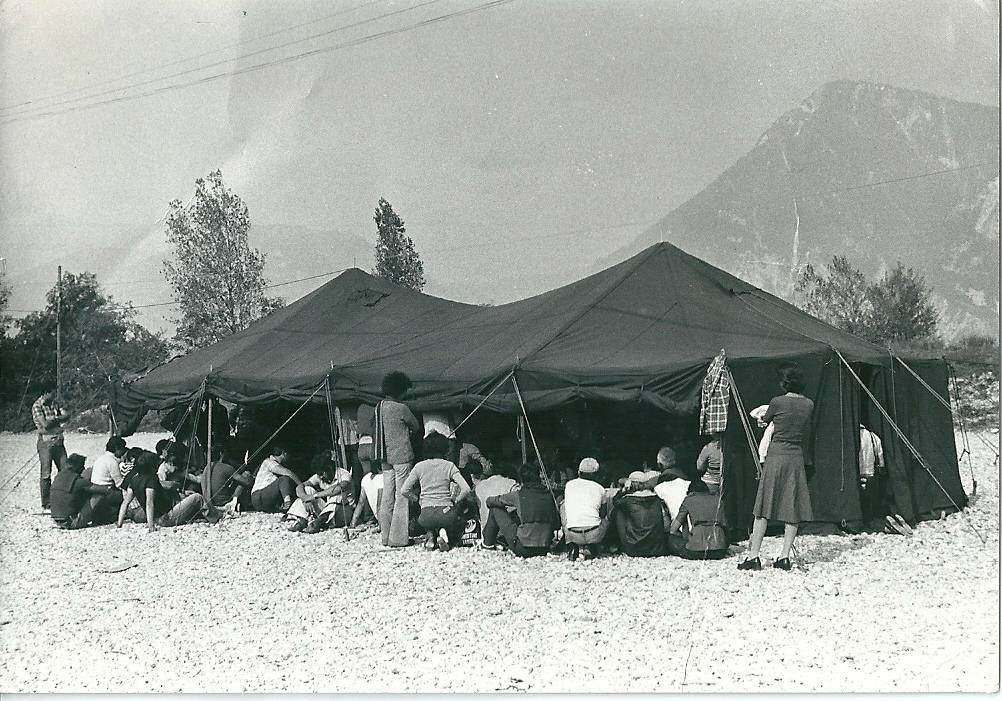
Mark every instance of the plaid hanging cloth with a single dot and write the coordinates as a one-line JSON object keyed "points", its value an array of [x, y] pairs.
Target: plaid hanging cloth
{"points": [[715, 396]]}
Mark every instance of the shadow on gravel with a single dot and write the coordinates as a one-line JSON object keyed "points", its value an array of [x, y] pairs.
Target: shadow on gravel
{"points": [[831, 548]]}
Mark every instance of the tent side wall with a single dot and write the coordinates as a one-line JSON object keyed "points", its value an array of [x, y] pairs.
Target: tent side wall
{"points": [[929, 427]]}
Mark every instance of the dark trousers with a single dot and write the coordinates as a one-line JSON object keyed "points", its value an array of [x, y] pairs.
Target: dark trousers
{"points": [[677, 546], [503, 525], [450, 518], [271, 497], [106, 508], [49, 450], [83, 518]]}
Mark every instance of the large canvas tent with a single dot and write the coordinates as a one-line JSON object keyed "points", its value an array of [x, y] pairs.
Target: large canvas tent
{"points": [[642, 332]]}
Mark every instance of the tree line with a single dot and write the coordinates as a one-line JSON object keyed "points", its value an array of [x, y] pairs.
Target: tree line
{"points": [[219, 288]]}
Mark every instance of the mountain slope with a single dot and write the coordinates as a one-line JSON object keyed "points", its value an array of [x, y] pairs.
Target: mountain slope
{"points": [[837, 175]]}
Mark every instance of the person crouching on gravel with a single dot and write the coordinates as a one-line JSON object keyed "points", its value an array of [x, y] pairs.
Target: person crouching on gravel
{"points": [[586, 512], [430, 484], [161, 506], [275, 484], [523, 519]]}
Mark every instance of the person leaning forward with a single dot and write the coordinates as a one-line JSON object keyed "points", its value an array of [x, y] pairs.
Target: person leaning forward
{"points": [[49, 418]]}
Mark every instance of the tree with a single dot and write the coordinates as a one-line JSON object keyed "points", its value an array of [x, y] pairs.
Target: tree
{"points": [[893, 310], [901, 307], [101, 340], [837, 296], [396, 259], [217, 278]]}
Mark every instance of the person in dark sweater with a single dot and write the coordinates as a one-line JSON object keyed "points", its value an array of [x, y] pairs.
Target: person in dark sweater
{"points": [[523, 519], [699, 530], [74, 500]]}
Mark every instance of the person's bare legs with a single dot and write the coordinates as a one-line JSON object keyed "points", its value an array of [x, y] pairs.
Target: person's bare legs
{"points": [[757, 534], [789, 534]]}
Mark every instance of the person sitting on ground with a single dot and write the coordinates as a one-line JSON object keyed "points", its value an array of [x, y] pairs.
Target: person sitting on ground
{"points": [[75, 500], [173, 472], [223, 482], [430, 484], [161, 506], [523, 519], [499, 483], [274, 484], [368, 499], [710, 462], [586, 512], [107, 473], [395, 424], [699, 530], [674, 483], [325, 499], [639, 517]]}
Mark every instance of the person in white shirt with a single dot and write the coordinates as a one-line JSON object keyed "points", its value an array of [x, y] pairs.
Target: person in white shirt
{"points": [[674, 483], [368, 499], [585, 512], [107, 473]]}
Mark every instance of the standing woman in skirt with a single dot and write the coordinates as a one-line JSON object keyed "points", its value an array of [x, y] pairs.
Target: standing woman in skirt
{"points": [[782, 489]]}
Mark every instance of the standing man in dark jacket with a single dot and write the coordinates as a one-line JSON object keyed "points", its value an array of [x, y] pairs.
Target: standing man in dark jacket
{"points": [[525, 518], [49, 418]]}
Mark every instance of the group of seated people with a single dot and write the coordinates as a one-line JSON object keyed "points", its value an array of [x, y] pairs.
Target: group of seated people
{"points": [[650, 513], [128, 483]]}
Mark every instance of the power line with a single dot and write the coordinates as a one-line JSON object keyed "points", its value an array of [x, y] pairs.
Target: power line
{"points": [[267, 64], [167, 304], [179, 61], [909, 177], [28, 112]]}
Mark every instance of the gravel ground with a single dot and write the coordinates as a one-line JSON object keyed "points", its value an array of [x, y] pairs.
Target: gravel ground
{"points": [[247, 606]]}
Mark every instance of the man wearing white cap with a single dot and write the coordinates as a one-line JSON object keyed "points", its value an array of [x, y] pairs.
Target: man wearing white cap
{"points": [[585, 513]]}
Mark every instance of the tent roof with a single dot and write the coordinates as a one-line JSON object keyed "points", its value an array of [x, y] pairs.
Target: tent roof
{"points": [[660, 312]]}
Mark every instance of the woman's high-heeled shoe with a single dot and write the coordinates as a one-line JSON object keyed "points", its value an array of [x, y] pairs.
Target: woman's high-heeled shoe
{"points": [[752, 563], [783, 563]]}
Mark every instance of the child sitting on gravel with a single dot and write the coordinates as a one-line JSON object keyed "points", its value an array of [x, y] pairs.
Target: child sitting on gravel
{"points": [[430, 484]]}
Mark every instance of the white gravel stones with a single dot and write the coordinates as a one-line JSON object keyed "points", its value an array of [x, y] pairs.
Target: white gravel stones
{"points": [[247, 606]]}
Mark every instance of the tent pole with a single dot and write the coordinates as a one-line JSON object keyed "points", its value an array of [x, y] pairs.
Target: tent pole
{"points": [[542, 467], [208, 434], [520, 430]]}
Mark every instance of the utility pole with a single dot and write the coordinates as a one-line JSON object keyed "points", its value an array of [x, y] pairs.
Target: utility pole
{"points": [[59, 340]]}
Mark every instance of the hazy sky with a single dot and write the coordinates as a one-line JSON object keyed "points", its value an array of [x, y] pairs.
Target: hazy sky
{"points": [[530, 119]]}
